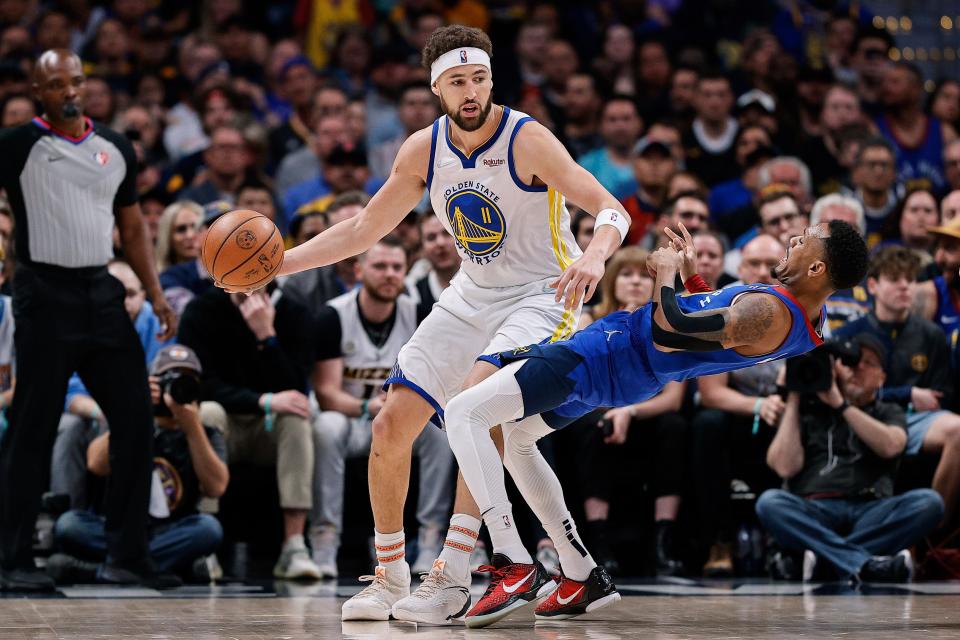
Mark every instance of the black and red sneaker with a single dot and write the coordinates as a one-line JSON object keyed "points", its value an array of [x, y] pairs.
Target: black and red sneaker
{"points": [[512, 585], [574, 598]]}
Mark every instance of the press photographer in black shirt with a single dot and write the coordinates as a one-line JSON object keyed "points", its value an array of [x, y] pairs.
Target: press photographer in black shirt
{"points": [[838, 450]]}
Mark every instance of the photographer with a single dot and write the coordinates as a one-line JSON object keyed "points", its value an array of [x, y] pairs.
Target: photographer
{"points": [[918, 367], [838, 452], [189, 462]]}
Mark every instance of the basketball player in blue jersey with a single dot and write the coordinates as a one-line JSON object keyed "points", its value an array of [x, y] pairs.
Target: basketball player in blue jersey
{"points": [[497, 181], [619, 360]]}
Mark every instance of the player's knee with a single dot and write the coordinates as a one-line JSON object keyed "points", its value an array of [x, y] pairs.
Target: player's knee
{"points": [[392, 433], [461, 416]]}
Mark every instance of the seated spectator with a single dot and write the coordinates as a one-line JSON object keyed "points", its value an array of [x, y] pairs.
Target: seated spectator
{"points": [[82, 420], [738, 192], [298, 82], [950, 206], [780, 218], [917, 367], [709, 140], [417, 110], [440, 251], [581, 102], [682, 181], [359, 336], [16, 109], [177, 234], [227, 160], [874, 181], [654, 162], [314, 287], [345, 169], [822, 153], [620, 126], [655, 424], [710, 247], [189, 462], [909, 223], [305, 227], [778, 174], [257, 353], [186, 279], [329, 129], [256, 195], [938, 300], [690, 208], [727, 441], [838, 452], [951, 164]]}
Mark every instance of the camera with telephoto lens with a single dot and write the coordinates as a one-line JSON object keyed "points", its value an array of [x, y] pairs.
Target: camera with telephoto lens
{"points": [[813, 372], [183, 387]]}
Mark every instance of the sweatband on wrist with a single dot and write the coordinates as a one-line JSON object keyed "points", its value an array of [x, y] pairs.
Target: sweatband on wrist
{"points": [[364, 409], [458, 58], [696, 284], [615, 219]]}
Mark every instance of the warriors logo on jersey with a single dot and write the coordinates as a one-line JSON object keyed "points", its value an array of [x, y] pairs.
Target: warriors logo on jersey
{"points": [[477, 222]]}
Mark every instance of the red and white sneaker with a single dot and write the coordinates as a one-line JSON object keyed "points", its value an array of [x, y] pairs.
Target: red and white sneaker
{"points": [[574, 598], [512, 585]]}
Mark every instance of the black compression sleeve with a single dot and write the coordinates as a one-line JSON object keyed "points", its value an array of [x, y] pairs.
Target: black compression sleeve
{"points": [[684, 323]]}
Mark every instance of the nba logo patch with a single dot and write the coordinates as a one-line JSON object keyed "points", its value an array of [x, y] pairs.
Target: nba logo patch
{"points": [[463, 57], [102, 158]]}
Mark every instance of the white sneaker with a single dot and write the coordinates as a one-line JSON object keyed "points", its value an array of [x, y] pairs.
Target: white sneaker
{"points": [[438, 600], [325, 546], [430, 544], [295, 562], [376, 601], [809, 565], [479, 557], [547, 556]]}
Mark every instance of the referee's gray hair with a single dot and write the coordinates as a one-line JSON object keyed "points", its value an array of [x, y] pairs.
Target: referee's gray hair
{"points": [[764, 179], [838, 200]]}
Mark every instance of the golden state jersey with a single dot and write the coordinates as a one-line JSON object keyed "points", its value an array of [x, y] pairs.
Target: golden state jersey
{"points": [[508, 233]]}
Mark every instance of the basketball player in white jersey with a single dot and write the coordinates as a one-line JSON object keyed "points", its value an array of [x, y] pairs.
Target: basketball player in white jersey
{"points": [[497, 181]]}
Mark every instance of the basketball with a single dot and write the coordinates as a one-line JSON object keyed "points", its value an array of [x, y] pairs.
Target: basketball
{"points": [[243, 250]]}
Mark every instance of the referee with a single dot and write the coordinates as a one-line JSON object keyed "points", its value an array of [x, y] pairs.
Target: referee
{"points": [[69, 181]]}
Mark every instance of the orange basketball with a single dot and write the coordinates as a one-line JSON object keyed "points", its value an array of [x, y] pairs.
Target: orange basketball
{"points": [[243, 250]]}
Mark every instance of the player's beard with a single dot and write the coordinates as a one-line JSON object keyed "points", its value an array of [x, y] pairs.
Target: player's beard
{"points": [[468, 125]]}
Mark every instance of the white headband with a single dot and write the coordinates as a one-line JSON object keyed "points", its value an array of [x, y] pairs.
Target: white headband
{"points": [[458, 58]]}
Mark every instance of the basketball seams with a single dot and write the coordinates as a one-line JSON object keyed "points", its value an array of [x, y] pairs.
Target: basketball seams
{"points": [[255, 285], [253, 254], [226, 238]]}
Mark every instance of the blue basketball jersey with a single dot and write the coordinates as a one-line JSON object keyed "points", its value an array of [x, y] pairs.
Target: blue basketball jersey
{"points": [[614, 363], [682, 365], [948, 316]]}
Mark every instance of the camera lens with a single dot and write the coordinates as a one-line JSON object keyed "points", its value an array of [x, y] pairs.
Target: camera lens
{"points": [[184, 388]]}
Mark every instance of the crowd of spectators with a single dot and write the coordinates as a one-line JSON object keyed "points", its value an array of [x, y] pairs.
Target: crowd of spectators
{"points": [[744, 128]]}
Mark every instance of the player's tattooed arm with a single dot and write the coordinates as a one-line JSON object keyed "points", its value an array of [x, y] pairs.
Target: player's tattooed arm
{"points": [[758, 321]]}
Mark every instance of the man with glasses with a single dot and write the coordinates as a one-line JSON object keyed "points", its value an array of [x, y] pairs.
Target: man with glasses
{"points": [[874, 183], [226, 162], [689, 208]]}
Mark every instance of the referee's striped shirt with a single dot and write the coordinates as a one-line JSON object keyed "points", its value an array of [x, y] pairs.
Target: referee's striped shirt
{"points": [[64, 191]]}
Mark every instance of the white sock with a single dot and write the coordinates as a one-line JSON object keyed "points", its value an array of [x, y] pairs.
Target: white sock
{"points": [[575, 561], [539, 486], [390, 550], [461, 539], [503, 534], [469, 418]]}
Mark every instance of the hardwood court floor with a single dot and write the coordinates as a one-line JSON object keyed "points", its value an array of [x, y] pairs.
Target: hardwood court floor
{"points": [[759, 611]]}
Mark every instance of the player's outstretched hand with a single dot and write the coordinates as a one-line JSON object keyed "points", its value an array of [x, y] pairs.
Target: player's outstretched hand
{"points": [[684, 246], [579, 280]]}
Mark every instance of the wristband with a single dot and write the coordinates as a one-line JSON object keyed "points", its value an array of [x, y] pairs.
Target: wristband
{"points": [[756, 415], [268, 415], [696, 284], [615, 219], [364, 409]]}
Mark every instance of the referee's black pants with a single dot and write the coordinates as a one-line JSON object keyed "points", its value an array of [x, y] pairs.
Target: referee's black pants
{"points": [[74, 320]]}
